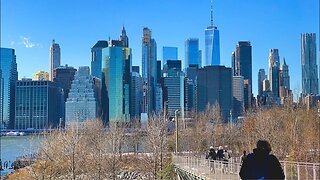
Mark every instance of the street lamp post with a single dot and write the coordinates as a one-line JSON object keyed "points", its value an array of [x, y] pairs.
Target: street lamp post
{"points": [[177, 129]]}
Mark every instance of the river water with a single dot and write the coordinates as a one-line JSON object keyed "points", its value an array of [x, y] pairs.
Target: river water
{"points": [[14, 146]]}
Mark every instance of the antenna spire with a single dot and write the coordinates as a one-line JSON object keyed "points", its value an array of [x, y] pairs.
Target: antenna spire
{"points": [[211, 11]]}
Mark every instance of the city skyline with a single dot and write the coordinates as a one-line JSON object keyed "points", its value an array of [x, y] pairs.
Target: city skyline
{"points": [[263, 24]]}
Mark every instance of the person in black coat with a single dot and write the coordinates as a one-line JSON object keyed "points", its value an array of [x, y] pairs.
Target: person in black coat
{"points": [[211, 154], [261, 164], [220, 153]]}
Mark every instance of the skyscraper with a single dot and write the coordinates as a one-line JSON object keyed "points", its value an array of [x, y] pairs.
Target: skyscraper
{"points": [[97, 54], [83, 102], [212, 44], [55, 57], [169, 53], [96, 58], [9, 76], [309, 64], [136, 93], [261, 77], [214, 85], [64, 76], [192, 52], [274, 67], [242, 61], [116, 72], [284, 75], [124, 38], [38, 104], [173, 87], [238, 95], [149, 71]]}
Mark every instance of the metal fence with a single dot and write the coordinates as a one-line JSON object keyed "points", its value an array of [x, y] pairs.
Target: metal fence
{"points": [[205, 169]]}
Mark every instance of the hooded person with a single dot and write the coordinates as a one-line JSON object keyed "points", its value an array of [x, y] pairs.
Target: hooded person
{"points": [[261, 164], [211, 154], [220, 153]]}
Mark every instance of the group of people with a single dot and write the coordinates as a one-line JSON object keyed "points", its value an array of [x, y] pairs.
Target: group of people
{"points": [[6, 165], [220, 154], [257, 165]]}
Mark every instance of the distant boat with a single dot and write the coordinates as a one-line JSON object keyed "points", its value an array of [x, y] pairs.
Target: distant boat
{"points": [[15, 133]]}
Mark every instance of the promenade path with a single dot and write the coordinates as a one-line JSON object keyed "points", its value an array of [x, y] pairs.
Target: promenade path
{"points": [[192, 167]]}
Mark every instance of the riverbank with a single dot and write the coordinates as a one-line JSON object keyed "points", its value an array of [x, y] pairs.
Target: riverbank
{"points": [[13, 147]]}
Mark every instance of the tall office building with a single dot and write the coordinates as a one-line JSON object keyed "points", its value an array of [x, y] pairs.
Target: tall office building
{"points": [[274, 68], [192, 52], [55, 57], [64, 76], [284, 75], [83, 102], [238, 96], [116, 71], [242, 66], [173, 88], [40, 76], [149, 71], [214, 85], [159, 72], [309, 64], [97, 57], [212, 44], [169, 53], [261, 76], [233, 63], [9, 76], [136, 69], [136, 93], [38, 104], [124, 38]]}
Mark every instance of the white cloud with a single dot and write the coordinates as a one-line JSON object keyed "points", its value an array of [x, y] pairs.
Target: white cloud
{"points": [[12, 43], [26, 41]]}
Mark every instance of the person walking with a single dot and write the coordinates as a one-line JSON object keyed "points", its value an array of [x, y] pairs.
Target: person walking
{"points": [[244, 155], [261, 164], [220, 153], [211, 156]]}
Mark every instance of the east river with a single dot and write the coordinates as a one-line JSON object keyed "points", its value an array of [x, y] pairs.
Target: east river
{"points": [[14, 146]]}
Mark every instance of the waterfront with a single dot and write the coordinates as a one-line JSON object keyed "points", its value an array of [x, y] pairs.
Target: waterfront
{"points": [[15, 146]]}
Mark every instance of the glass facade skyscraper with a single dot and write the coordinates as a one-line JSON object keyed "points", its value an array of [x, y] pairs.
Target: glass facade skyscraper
{"points": [[274, 67], [83, 102], [192, 52], [243, 67], [9, 76], [38, 104], [149, 71], [64, 76], [309, 64], [261, 77], [96, 58], [169, 53], [238, 96], [116, 69], [212, 46], [214, 85], [55, 57]]}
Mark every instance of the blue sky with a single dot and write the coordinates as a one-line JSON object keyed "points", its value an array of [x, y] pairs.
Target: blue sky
{"points": [[30, 26]]}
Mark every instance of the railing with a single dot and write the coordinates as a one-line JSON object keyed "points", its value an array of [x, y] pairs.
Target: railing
{"points": [[205, 169]]}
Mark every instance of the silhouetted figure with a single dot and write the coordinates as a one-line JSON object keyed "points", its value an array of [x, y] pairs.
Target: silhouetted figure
{"points": [[244, 155], [260, 164]]}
